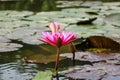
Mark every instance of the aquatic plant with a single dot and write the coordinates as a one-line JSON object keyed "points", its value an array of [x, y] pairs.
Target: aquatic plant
{"points": [[57, 39]]}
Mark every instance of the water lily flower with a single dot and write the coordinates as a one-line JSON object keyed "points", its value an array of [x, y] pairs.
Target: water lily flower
{"points": [[58, 40], [54, 38], [55, 27]]}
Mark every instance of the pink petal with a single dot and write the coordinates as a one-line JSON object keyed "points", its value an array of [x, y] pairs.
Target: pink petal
{"points": [[68, 36], [48, 38], [54, 27]]}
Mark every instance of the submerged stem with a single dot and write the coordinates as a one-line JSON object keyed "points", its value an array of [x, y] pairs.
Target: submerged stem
{"points": [[73, 58], [72, 49], [57, 59]]}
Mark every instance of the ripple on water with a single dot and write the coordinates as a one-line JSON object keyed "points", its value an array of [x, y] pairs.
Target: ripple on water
{"points": [[16, 71]]}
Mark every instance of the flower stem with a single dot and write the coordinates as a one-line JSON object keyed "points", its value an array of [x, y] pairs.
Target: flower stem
{"points": [[57, 76], [73, 58], [57, 59], [72, 49]]}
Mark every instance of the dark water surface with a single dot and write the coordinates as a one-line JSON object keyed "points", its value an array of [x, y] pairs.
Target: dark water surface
{"points": [[12, 67]]}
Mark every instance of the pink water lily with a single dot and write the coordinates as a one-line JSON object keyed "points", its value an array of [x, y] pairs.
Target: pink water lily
{"points": [[57, 39], [55, 27], [52, 39]]}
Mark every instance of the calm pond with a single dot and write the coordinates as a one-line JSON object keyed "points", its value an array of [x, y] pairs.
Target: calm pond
{"points": [[22, 55]]}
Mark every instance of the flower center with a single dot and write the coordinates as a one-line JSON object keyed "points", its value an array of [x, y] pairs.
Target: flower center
{"points": [[59, 42]]}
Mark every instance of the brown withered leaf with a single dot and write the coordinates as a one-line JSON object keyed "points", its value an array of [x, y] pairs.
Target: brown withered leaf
{"points": [[100, 42], [103, 42]]}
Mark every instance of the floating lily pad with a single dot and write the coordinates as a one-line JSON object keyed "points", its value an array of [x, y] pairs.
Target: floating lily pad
{"points": [[93, 11], [4, 39], [33, 40], [112, 4], [95, 72], [92, 3], [92, 57], [44, 54], [87, 20], [40, 58], [113, 33], [19, 14], [114, 61], [86, 30], [27, 35], [113, 19], [46, 75], [111, 78], [63, 4], [105, 10], [14, 15], [20, 33], [52, 14], [7, 47]]}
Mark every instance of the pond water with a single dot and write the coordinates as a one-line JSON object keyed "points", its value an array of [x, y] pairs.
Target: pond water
{"points": [[32, 57], [12, 66]]}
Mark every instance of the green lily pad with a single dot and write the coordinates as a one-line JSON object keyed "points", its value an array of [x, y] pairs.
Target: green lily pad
{"points": [[52, 14], [113, 19], [33, 40], [13, 15], [44, 54], [95, 72], [19, 14], [112, 4], [86, 20], [93, 11], [109, 10], [20, 33], [63, 4], [92, 57], [7, 47], [75, 12], [86, 30], [39, 58], [92, 3], [43, 16], [27, 35], [46, 75], [4, 39]]}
